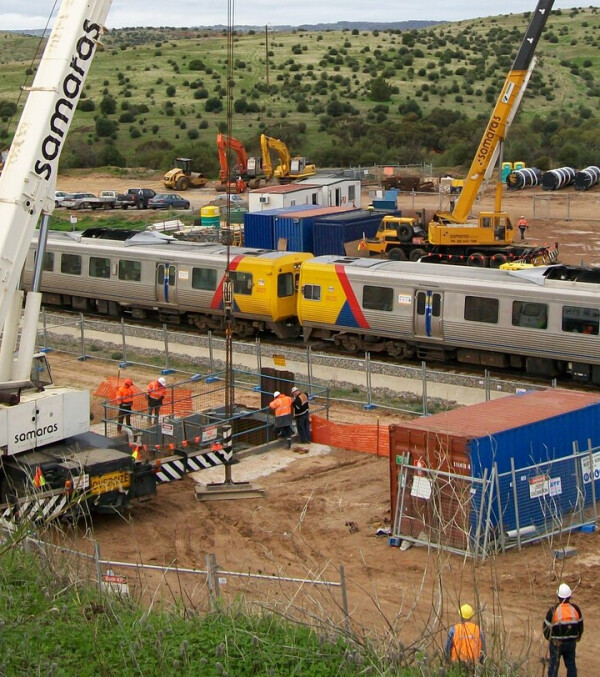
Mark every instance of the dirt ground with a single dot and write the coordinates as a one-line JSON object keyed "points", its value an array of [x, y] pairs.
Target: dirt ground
{"points": [[321, 510], [568, 217]]}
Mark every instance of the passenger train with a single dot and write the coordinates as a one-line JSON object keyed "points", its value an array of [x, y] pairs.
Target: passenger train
{"points": [[544, 321]]}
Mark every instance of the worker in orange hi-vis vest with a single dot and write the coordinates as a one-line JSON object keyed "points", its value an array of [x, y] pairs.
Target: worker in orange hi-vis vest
{"points": [[465, 643], [155, 394], [563, 627], [125, 394], [522, 225], [282, 406]]}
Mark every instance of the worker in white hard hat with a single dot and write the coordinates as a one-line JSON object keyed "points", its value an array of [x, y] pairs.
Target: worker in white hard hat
{"points": [[465, 643], [563, 627], [155, 394], [282, 407]]}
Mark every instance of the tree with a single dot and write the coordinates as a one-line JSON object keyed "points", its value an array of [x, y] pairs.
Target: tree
{"points": [[105, 127], [108, 105], [379, 90]]}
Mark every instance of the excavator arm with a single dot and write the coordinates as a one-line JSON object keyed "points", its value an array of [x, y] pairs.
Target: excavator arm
{"points": [[225, 143], [499, 121], [268, 143]]}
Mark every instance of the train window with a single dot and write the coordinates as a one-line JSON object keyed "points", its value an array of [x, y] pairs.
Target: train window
{"points": [[285, 285], [581, 320], [429, 302], [70, 264], [533, 315], [481, 309], [99, 267], [48, 262], [242, 282], [204, 278], [378, 298], [312, 292], [130, 270]]}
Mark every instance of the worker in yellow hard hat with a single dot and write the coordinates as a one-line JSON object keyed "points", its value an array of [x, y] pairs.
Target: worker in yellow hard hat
{"points": [[465, 643]]}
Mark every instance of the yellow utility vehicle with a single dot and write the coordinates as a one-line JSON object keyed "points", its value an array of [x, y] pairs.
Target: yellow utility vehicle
{"points": [[181, 176]]}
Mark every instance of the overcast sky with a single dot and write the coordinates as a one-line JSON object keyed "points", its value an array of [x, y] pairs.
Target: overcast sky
{"points": [[27, 14]]}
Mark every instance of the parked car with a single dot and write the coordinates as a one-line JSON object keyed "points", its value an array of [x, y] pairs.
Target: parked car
{"points": [[235, 200], [135, 197], [168, 201], [82, 201], [59, 196]]}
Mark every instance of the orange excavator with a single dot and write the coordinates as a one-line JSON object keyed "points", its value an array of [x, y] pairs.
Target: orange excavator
{"points": [[236, 175]]}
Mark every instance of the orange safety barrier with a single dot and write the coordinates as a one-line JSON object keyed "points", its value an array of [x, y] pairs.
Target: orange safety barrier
{"points": [[181, 405], [369, 439]]}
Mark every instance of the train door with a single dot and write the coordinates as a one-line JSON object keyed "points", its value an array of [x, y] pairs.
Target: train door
{"points": [[428, 314], [166, 283]]}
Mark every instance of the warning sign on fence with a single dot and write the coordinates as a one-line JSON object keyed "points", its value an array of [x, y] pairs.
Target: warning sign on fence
{"points": [[115, 584], [542, 485]]}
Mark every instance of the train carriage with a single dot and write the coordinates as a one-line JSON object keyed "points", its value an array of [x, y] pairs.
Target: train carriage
{"points": [[531, 319], [149, 275]]}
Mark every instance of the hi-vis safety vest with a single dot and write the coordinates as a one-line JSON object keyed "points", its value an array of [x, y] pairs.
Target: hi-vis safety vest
{"points": [[466, 643], [282, 405], [565, 615]]}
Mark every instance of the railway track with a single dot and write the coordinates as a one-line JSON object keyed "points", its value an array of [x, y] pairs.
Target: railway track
{"points": [[294, 351]]}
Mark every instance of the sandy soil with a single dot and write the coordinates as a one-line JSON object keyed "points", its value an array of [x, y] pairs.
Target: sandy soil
{"points": [[321, 510], [568, 217]]}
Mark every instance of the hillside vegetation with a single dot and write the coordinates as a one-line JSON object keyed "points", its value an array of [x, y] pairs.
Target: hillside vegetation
{"points": [[341, 98]]}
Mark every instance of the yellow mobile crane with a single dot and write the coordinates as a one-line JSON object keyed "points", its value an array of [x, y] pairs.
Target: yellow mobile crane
{"points": [[450, 237], [290, 168]]}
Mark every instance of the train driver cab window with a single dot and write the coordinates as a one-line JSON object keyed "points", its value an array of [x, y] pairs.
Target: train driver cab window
{"points": [[532, 315], [285, 285], [130, 270], [311, 292], [378, 298], [481, 309], [581, 320], [70, 264], [204, 278], [99, 267], [242, 283]]}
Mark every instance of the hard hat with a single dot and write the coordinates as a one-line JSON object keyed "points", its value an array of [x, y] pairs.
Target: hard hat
{"points": [[466, 612], [162, 381], [295, 390], [564, 591], [128, 382], [276, 393]]}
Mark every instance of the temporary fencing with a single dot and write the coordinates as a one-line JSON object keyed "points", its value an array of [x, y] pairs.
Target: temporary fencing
{"points": [[477, 516], [366, 438]]}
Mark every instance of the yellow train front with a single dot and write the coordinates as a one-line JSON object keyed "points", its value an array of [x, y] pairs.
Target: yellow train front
{"points": [[143, 275]]}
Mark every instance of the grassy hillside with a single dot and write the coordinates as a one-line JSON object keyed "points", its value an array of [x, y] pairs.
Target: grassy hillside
{"points": [[346, 96]]}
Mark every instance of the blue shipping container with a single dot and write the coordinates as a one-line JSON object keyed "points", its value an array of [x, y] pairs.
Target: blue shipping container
{"points": [[297, 228], [331, 233], [259, 226]]}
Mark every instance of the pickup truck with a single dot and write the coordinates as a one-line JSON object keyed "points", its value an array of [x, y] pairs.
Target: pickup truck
{"points": [[135, 197], [106, 200]]}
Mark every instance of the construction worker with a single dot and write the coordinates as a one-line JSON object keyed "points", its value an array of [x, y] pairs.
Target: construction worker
{"points": [[282, 406], [563, 627], [301, 415], [522, 226], [125, 394], [155, 394], [465, 643]]}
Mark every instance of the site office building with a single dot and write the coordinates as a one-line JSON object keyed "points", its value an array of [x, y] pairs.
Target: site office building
{"points": [[319, 191]]}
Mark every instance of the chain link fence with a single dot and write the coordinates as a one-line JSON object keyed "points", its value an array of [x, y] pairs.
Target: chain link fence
{"points": [[358, 380], [479, 516]]}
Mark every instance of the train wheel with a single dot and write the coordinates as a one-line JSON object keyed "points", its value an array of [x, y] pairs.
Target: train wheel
{"points": [[416, 254], [350, 343], [396, 254], [497, 260], [477, 260]]}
